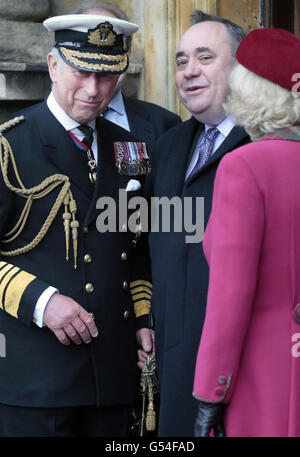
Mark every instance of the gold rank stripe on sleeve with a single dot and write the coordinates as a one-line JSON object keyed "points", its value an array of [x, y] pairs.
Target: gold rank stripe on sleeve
{"points": [[141, 308], [141, 296], [13, 283], [141, 282], [141, 292]]}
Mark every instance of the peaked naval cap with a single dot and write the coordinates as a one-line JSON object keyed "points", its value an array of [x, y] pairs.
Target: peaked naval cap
{"points": [[92, 42]]}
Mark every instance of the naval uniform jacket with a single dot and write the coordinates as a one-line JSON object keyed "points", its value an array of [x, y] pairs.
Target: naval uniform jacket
{"points": [[180, 275], [38, 370]]}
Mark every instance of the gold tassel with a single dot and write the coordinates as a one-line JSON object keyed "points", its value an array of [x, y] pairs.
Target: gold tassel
{"points": [[74, 227], [151, 415], [149, 387], [66, 219]]}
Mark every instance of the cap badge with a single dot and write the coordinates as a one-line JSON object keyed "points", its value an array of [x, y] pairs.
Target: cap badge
{"points": [[102, 35], [132, 158]]}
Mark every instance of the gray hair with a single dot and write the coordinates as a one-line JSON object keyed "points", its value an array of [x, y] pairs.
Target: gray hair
{"points": [[56, 55], [112, 8], [236, 33], [259, 105]]}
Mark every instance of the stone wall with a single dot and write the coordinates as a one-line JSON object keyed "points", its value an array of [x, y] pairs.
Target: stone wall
{"points": [[25, 43]]}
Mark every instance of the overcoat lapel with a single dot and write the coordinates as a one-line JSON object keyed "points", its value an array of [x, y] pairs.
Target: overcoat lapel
{"points": [[183, 150], [232, 141], [138, 124]]}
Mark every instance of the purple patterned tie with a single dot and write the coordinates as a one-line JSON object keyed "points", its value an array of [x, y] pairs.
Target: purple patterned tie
{"points": [[205, 148]]}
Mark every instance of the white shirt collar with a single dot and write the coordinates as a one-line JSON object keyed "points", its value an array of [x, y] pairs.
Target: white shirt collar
{"points": [[66, 121], [225, 126], [117, 104]]}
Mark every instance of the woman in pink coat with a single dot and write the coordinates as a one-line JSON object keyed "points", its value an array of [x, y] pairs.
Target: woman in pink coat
{"points": [[247, 377]]}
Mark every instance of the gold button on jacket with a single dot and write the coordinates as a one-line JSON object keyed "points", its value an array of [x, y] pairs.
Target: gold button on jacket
{"points": [[89, 288], [87, 258], [123, 256]]}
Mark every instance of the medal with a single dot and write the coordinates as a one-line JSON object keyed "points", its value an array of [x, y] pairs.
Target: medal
{"points": [[93, 167], [132, 158], [86, 147]]}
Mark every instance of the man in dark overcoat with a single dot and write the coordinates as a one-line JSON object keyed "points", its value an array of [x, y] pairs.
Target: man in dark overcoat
{"points": [[184, 165]]}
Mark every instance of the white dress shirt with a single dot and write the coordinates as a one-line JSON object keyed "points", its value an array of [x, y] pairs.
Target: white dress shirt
{"points": [[117, 112], [224, 128]]}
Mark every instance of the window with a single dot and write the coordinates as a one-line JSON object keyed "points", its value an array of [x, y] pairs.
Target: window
{"points": [[283, 14]]}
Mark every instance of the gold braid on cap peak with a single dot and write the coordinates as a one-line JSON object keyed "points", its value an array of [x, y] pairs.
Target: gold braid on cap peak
{"points": [[74, 57], [44, 188]]}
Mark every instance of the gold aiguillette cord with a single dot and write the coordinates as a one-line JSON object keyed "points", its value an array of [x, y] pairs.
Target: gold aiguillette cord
{"points": [[43, 189]]}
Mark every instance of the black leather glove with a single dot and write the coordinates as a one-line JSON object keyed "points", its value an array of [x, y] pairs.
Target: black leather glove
{"points": [[210, 416]]}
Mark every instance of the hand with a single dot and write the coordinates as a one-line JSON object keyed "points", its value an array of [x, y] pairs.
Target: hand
{"points": [[69, 321], [210, 416], [146, 339]]}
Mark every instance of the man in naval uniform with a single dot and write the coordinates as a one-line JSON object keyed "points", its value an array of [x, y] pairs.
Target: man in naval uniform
{"points": [[72, 299]]}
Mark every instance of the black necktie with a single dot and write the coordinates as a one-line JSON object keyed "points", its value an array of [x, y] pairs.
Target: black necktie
{"points": [[88, 141], [88, 135]]}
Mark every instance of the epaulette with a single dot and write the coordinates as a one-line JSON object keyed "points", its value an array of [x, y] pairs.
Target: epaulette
{"points": [[11, 123]]}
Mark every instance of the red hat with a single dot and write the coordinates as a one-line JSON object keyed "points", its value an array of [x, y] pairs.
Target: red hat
{"points": [[273, 54]]}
